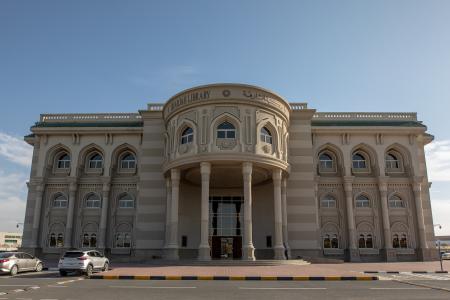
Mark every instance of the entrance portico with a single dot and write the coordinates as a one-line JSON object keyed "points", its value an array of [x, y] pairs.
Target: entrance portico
{"points": [[227, 205]]}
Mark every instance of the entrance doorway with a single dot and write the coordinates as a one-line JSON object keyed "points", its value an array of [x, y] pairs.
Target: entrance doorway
{"points": [[226, 247], [225, 230]]}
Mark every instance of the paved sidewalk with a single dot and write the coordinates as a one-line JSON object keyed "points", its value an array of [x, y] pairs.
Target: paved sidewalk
{"points": [[345, 269]]}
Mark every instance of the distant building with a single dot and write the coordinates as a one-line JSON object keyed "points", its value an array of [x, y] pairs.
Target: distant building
{"points": [[231, 171], [445, 241], [10, 240]]}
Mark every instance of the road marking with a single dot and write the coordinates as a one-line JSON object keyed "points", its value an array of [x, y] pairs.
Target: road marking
{"points": [[15, 284], [69, 281], [398, 288], [57, 286], [18, 291], [152, 287], [280, 288]]}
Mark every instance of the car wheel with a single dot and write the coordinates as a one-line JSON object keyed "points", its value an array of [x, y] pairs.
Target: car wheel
{"points": [[63, 273], [39, 267], [14, 270], [105, 267], [89, 270]]}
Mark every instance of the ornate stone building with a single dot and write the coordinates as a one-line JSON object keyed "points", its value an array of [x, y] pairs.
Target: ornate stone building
{"points": [[231, 171]]}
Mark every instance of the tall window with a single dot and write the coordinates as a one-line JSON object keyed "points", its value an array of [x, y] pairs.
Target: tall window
{"points": [[52, 240], [187, 136], [399, 241], [365, 241], [328, 201], [128, 161], [226, 130], [325, 162], [265, 135], [126, 201], [123, 240], [56, 240], [89, 240], [96, 161], [395, 241], [331, 241], [392, 161], [63, 161], [60, 201], [359, 161], [396, 202], [93, 201], [362, 201]]}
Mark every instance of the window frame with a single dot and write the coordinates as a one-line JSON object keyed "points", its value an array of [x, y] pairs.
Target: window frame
{"points": [[265, 136], [393, 203], [186, 137], [328, 199], [122, 200], [366, 160], [87, 200], [56, 200], [366, 200], [323, 166], [90, 168], [398, 159], [122, 161], [226, 131]]}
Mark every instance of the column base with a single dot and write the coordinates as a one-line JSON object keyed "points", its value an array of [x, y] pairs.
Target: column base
{"points": [[171, 253], [204, 253], [248, 252], [390, 255], [279, 253], [353, 255], [427, 254]]}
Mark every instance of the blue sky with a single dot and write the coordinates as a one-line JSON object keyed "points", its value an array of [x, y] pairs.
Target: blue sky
{"points": [[116, 56]]}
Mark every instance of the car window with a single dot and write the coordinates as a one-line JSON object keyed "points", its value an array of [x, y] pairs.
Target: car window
{"points": [[6, 255], [73, 254], [27, 256], [18, 255], [98, 254], [92, 253]]}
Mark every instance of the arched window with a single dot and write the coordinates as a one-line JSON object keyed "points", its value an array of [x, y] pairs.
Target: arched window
{"points": [[128, 161], [327, 241], [93, 201], [60, 201], [123, 240], [334, 242], [52, 240], [226, 130], [127, 241], [395, 241], [403, 242], [63, 161], [126, 201], [392, 162], [187, 136], [85, 240], [93, 241], [60, 240], [359, 161], [396, 202], [328, 201], [369, 241], [95, 161], [362, 241], [362, 201], [326, 162], [266, 136]]}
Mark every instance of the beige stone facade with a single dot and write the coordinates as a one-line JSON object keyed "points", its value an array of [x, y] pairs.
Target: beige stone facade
{"points": [[231, 171]]}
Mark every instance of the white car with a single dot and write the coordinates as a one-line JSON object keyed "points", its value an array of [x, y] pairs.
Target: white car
{"points": [[80, 261], [446, 255]]}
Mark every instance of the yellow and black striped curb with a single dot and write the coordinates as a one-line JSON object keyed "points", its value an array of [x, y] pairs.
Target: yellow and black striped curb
{"points": [[248, 278], [413, 272]]}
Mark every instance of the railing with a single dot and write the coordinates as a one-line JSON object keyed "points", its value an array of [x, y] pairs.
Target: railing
{"points": [[299, 106], [84, 118], [365, 116], [155, 106]]}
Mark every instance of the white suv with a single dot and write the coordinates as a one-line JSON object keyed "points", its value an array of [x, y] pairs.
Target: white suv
{"points": [[83, 262]]}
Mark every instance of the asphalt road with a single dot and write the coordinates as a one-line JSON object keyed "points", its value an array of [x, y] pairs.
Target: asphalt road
{"points": [[48, 285]]}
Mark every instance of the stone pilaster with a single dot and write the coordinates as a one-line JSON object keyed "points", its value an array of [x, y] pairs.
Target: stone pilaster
{"points": [[389, 252], [247, 248], [284, 214], [278, 230], [104, 213], [204, 251], [172, 247], [40, 186], [348, 188], [417, 183], [68, 243]]}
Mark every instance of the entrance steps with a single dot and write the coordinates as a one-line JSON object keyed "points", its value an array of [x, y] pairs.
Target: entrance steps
{"points": [[225, 263]]}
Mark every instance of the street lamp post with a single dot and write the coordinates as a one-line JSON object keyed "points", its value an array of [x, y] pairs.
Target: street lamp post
{"points": [[439, 248]]}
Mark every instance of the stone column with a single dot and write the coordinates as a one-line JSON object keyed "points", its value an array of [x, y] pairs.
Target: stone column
{"points": [[417, 188], [104, 214], [248, 250], [278, 216], [390, 252], [37, 214], [353, 249], [70, 212], [172, 247], [284, 214], [168, 207], [204, 252]]}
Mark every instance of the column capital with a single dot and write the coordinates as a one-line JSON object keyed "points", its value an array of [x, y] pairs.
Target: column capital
{"points": [[383, 184], [175, 174], [247, 168], [348, 183], [417, 182], [205, 167], [276, 175]]}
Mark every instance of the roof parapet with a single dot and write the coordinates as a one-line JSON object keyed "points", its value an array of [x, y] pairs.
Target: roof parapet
{"points": [[362, 116]]}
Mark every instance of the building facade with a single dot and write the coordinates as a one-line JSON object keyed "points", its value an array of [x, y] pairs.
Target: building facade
{"points": [[231, 171]]}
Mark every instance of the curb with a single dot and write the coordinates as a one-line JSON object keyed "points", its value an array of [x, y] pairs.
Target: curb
{"points": [[413, 272], [246, 278]]}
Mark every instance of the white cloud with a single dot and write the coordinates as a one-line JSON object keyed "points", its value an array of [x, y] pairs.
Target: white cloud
{"points": [[441, 213], [12, 199], [15, 150]]}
